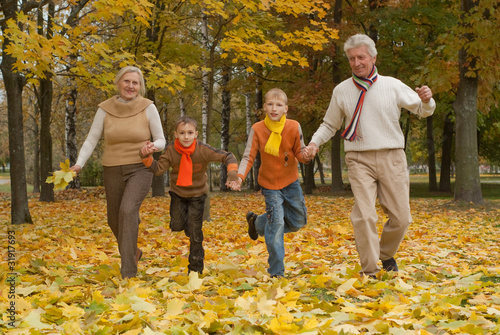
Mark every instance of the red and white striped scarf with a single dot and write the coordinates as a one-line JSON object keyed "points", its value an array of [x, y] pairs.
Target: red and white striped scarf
{"points": [[363, 84]]}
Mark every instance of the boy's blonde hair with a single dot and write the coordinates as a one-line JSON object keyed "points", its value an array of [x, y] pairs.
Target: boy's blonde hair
{"points": [[276, 93], [186, 120]]}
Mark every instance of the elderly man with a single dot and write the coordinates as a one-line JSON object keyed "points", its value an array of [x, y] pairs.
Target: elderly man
{"points": [[370, 105]]}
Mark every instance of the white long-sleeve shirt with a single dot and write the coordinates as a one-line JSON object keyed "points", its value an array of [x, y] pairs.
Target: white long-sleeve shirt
{"points": [[378, 126], [97, 128]]}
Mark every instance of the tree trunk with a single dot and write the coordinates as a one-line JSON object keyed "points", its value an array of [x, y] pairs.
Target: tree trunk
{"points": [[70, 129], [46, 93], [320, 170], [45, 101], [205, 81], [158, 183], [445, 177], [336, 162], [407, 129], [248, 118], [225, 116], [36, 151], [467, 181], [14, 84], [431, 155], [259, 103], [71, 109], [309, 184], [205, 108], [182, 105]]}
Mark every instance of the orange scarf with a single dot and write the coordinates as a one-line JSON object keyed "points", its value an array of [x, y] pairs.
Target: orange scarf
{"points": [[185, 177]]}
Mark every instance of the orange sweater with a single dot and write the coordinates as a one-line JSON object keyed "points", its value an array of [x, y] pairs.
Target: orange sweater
{"points": [[275, 173]]}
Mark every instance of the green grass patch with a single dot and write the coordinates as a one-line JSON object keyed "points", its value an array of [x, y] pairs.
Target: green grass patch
{"points": [[486, 279], [490, 188]]}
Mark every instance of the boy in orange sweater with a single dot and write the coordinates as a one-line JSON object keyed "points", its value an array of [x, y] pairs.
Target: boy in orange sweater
{"points": [[280, 143], [189, 160]]}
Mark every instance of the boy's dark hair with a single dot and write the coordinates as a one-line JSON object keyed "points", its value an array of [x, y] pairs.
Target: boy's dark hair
{"points": [[186, 120]]}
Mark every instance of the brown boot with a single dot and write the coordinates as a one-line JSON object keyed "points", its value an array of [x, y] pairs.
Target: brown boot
{"points": [[138, 256]]}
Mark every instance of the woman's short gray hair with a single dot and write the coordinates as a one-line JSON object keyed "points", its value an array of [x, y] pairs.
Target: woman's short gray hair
{"points": [[128, 69], [359, 40]]}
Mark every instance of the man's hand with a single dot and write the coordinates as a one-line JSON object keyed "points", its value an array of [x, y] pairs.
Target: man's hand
{"points": [[310, 151], [424, 93]]}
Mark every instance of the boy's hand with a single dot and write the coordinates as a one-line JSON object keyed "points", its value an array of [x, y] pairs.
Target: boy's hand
{"points": [[235, 185], [148, 149], [310, 151]]}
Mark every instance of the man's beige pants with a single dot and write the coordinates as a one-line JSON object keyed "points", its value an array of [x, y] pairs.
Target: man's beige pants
{"points": [[381, 174]]}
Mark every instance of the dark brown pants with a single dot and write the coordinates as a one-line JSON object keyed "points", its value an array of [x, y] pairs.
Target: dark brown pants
{"points": [[186, 214], [126, 187]]}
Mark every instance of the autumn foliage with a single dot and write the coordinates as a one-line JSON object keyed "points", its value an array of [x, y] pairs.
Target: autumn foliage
{"points": [[68, 279]]}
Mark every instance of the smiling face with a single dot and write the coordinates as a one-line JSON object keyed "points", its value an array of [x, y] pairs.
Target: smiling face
{"points": [[361, 61], [129, 85], [186, 134], [275, 107]]}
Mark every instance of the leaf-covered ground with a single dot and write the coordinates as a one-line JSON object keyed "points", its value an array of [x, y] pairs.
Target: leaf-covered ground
{"points": [[68, 282]]}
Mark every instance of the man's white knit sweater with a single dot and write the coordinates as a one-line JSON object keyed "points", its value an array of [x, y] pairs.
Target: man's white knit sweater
{"points": [[378, 127]]}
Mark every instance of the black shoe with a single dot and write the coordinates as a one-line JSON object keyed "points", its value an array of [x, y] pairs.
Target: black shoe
{"points": [[390, 265], [277, 276], [372, 276], [252, 232]]}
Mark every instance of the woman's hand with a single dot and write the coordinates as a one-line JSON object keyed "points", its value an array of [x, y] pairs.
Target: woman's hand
{"points": [[76, 168], [148, 149]]}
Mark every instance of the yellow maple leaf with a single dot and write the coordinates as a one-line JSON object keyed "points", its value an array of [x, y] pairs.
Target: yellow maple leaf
{"points": [[61, 178], [265, 306], [174, 307], [311, 324], [71, 311], [346, 286], [245, 302], [357, 310], [281, 326], [194, 283]]}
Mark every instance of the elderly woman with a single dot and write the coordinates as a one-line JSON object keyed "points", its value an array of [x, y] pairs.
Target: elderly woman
{"points": [[128, 121]]}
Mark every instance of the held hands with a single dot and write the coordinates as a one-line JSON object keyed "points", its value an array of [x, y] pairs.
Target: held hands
{"points": [[235, 185], [424, 93], [148, 149], [310, 151]]}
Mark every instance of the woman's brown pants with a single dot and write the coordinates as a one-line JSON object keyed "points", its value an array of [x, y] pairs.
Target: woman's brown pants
{"points": [[126, 188]]}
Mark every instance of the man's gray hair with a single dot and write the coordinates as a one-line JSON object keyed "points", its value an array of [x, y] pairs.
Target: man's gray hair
{"points": [[359, 40]]}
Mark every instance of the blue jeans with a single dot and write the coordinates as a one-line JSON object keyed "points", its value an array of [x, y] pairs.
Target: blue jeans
{"points": [[286, 212]]}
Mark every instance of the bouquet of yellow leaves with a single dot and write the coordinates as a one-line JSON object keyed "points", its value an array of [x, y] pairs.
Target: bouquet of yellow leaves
{"points": [[61, 178]]}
